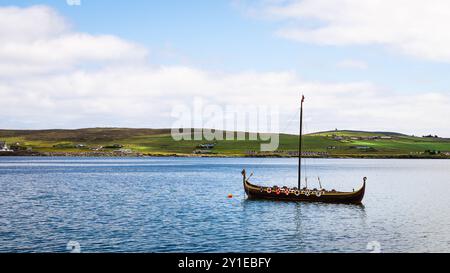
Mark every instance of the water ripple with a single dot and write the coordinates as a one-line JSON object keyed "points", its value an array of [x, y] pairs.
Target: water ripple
{"points": [[181, 204]]}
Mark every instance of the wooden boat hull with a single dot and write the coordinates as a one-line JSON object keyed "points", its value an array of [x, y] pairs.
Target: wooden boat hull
{"points": [[294, 195]]}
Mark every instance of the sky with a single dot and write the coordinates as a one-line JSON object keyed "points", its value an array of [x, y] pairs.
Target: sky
{"points": [[377, 65]]}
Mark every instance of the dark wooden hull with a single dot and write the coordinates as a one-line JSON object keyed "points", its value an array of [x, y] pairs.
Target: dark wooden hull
{"points": [[258, 192]]}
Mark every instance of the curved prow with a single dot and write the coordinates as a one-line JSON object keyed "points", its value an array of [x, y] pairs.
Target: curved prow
{"points": [[244, 180], [364, 184], [360, 194]]}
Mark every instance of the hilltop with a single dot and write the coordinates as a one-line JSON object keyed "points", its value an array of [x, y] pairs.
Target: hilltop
{"points": [[131, 142]]}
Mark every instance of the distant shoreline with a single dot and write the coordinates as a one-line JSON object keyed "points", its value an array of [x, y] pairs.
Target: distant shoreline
{"points": [[125, 142], [111, 155]]}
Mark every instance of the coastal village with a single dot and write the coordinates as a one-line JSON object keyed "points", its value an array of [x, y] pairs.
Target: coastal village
{"points": [[323, 145], [82, 150]]}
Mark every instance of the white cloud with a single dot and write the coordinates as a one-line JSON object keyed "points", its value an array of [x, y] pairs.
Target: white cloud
{"points": [[122, 89], [29, 24], [352, 64], [38, 40], [144, 97], [417, 28]]}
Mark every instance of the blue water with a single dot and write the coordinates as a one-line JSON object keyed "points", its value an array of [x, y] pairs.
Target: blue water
{"points": [[181, 205]]}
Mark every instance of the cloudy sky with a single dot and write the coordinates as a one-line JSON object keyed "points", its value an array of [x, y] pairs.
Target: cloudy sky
{"points": [[368, 65]]}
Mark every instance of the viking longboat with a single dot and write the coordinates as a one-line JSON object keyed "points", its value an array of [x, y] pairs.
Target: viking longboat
{"points": [[300, 194]]}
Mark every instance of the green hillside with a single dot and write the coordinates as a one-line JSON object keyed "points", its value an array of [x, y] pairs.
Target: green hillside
{"points": [[123, 141]]}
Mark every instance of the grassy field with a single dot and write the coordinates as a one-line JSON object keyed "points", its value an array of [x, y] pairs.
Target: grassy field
{"points": [[121, 141]]}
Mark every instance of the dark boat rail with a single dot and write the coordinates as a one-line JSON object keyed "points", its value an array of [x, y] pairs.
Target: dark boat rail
{"points": [[302, 195]]}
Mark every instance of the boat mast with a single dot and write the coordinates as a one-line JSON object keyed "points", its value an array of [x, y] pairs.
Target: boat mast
{"points": [[300, 145]]}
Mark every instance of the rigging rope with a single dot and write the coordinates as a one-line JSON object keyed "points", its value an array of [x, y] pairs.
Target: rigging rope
{"points": [[305, 160], [312, 161]]}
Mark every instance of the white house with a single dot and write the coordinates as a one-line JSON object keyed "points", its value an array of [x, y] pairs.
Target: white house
{"points": [[4, 147]]}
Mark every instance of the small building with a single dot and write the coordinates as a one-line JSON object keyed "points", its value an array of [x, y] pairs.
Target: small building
{"points": [[97, 148], [124, 151], [17, 147], [206, 146], [114, 146], [4, 147]]}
